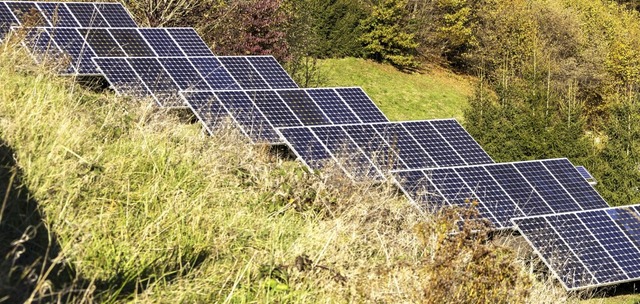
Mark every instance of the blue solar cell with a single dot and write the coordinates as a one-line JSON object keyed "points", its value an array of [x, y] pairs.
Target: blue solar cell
{"points": [[87, 14], [102, 43], [333, 106], [431, 141], [161, 42], [157, 80], [58, 14], [462, 142], [248, 117], [40, 43], [362, 105], [272, 72], [419, 188], [6, 20], [189, 41], [584, 172], [27, 14], [304, 108], [183, 73], [214, 73], [307, 147], [72, 43], [274, 108], [116, 15], [132, 42], [547, 187], [354, 161], [122, 77], [575, 184], [208, 109], [490, 194], [244, 73], [405, 146], [519, 190], [375, 147]]}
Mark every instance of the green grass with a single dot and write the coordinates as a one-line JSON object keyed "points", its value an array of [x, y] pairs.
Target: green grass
{"points": [[430, 94]]}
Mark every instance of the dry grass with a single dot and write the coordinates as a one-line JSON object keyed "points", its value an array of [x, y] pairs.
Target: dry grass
{"points": [[121, 202]]}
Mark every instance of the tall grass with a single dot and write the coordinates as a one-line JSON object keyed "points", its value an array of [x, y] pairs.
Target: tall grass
{"points": [[140, 205]]}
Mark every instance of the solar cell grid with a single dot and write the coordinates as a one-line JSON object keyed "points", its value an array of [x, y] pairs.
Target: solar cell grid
{"points": [[211, 113], [274, 109], [416, 184], [71, 42], [272, 72], [6, 20], [157, 80], [115, 15], [519, 189], [57, 14], [405, 146], [101, 42], [547, 186], [243, 73], [375, 147], [461, 142], [307, 147], [333, 106], [27, 14], [42, 47], [121, 76], [189, 41], [132, 42], [183, 73], [426, 135], [161, 42], [248, 117], [214, 73], [362, 105], [304, 107], [574, 183], [87, 14]]}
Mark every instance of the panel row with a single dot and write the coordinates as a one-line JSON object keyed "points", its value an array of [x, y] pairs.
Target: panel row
{"points": [[83, 44], [587, 249], [505, 191], [365, 149], [258, 113], [62, 14]]}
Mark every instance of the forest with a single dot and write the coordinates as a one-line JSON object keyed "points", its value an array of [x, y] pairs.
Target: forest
{"points": [[556, 78]]}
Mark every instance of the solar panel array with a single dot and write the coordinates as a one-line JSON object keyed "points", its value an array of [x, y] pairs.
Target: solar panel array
{"points": [[503, 191], [62, 14], [590, 248], [385, 146], [436, 163], [258, 112]]}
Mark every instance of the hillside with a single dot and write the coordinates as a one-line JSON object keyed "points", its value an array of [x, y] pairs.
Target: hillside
{"points": [[429, 94], [113, 200]]}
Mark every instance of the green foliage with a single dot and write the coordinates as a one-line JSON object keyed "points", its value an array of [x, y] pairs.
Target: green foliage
{"points": [[384, 36]]}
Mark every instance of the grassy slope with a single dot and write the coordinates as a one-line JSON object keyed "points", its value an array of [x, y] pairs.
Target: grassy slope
{"points": [[402, 96]]}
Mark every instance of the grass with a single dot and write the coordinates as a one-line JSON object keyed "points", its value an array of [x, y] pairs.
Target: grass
{"points": [[434, 93], [109, 199]]}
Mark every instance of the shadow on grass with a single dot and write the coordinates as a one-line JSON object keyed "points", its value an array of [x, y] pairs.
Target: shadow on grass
{"points": [[29, 268]]}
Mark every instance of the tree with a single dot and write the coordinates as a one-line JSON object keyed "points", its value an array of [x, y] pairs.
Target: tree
{"points": [[384, 37]]}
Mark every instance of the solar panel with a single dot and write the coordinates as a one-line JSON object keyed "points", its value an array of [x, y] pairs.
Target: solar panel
{"points": [[102, 42], [72, 43], [214, 73], [58, 14], [161, 42], [122, 77], [183, 73], [115, 14], [274, 108], [243, 73], [272, 72], [462, 142], [403, 143], [375, 147], [207, 108], [87, 14], [6, 20], [304, 108], [333, 106], [509, 190], [27, 13], [132, 42], [248, 117], [362, 105], [434, 144], [38, 41], [189, 41], [587, 249], [584, 172], [159, 82], [308, 147]]}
